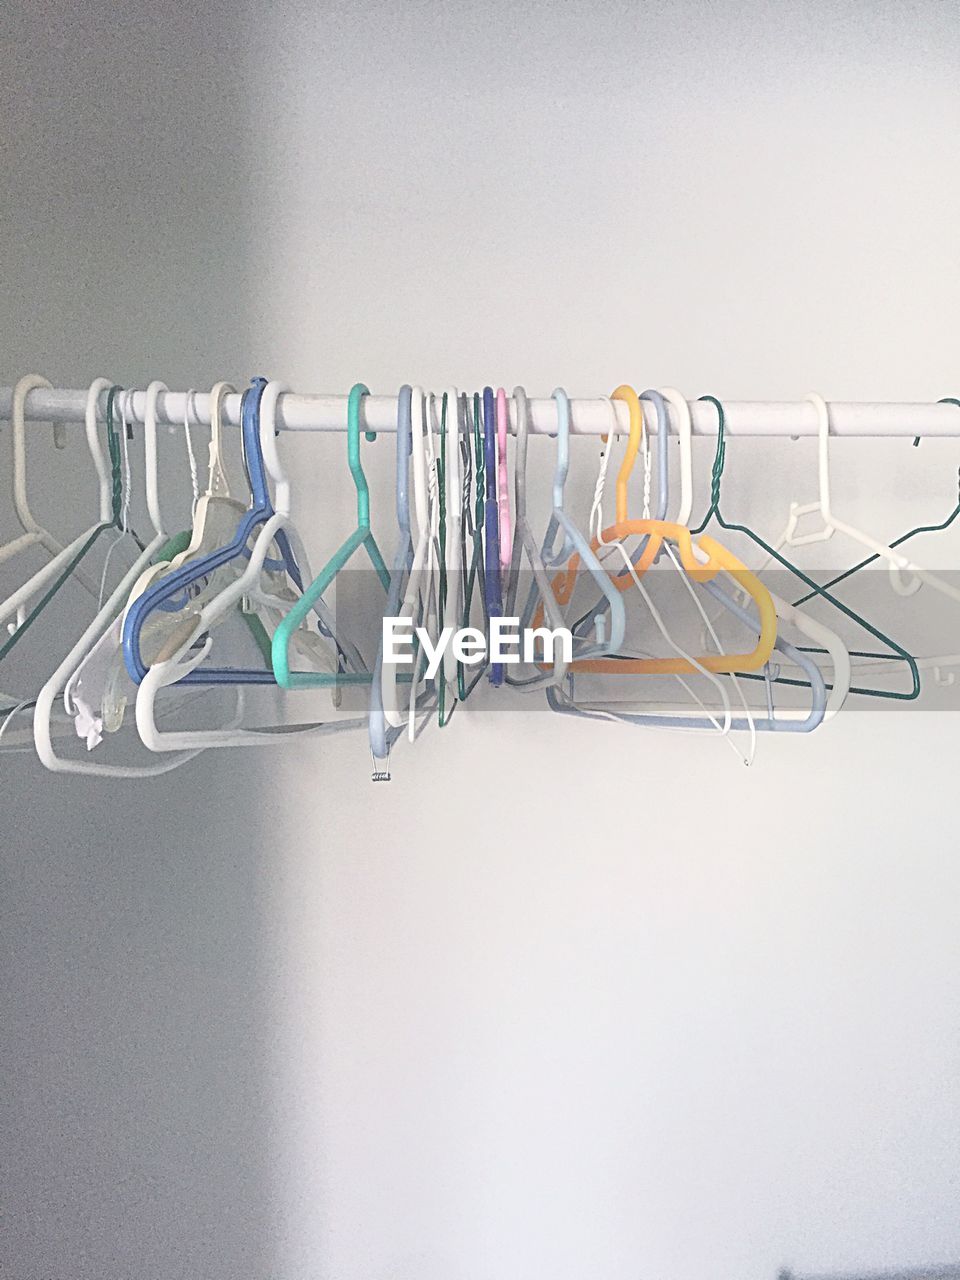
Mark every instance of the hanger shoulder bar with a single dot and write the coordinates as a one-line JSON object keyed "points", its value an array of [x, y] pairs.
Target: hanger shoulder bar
{"points": [[587, 417]]}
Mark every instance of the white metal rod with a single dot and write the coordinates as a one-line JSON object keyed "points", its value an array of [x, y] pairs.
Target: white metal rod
{"points": [[587, 417]]}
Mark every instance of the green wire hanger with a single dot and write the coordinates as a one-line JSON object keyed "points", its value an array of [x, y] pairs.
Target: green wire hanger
{"points": [[361, 537], [714, 513], [116, 522], [912, 533]]}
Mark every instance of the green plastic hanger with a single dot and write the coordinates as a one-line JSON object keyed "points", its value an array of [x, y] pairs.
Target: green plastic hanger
{"points": [[714, 513], [361, 537]]}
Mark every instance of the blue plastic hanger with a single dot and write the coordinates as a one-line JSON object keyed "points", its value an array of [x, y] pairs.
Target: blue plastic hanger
{"points": [[175, 586]]}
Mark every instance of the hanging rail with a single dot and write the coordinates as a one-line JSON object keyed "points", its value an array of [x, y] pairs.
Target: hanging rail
{"points": [[587, 417]]}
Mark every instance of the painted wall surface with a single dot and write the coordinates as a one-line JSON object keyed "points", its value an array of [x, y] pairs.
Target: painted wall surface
{"points": [[655, 1014]]}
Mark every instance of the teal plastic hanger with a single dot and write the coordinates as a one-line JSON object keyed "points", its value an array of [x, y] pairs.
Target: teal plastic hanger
{"points": [[362, 537], [714, 513]]}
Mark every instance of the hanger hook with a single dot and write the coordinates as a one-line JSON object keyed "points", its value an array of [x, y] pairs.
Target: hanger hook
{"points": [[632, 400]]}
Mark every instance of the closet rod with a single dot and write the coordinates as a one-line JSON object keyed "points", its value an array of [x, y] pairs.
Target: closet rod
{"points": [[588, 417]]}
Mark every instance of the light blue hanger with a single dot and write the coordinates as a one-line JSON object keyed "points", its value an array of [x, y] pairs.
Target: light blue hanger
{"points": [[382, 735], [524, 543], [574, 543]]}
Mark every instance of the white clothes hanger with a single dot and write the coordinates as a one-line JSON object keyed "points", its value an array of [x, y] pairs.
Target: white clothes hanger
{"points": [[33, 531], [415, 605], [685, 435], [832, 524], [15, 602]]}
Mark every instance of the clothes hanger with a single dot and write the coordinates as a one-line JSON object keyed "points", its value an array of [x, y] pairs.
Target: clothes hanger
{"points": [[663, 484], [361, 538], [503, 482], [33, 533], [99, 689], [216, 513], [904, 537], [714, 513], [431, 572], [702, 564], [525, 544], [258, 583], [412, 603], [832, 523], [475, 524], [491, 580], [574, 543], [453, 546], [187, 585], [100, 627], [826, 640], [384, 735], [883, 663], [258, 408], [64, 564], [791, 721], [448, 492], [788, 721]]}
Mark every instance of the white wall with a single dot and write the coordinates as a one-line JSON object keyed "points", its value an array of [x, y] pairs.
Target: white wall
{"points": [[652, 1013]]}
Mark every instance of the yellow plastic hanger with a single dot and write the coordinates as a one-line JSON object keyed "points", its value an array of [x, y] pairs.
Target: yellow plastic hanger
{"points": [[701, 561]]}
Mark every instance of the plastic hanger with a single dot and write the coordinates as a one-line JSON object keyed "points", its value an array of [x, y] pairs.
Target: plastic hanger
{"points": [[663, 482], [178, 589], [827, 641], [608, 547], [714, 513], [361, 538], [384, 735], [429, 580], [170, 671], [831, 523], [491, 523], [574, 543], [411, 605], [702, 564], [33, 533], [100, 626], [65, 563], [525, 544], [475, 526], [503, 481], [453, 546], [446, 485], [792, 720], [216, 513]]}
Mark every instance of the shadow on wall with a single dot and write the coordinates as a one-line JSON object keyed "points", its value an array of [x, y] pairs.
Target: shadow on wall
{"points": [[136, 1104]]}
